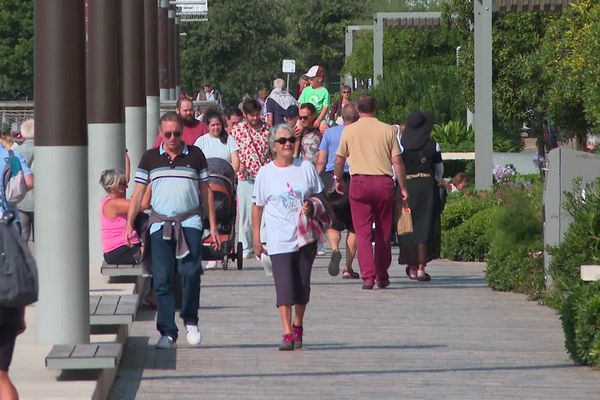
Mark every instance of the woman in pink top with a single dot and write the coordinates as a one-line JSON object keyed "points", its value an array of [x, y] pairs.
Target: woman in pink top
{"points": [[113, 219]]}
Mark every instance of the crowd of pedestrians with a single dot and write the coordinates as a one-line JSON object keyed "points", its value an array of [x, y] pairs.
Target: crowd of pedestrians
{"points": [[305, 170]]}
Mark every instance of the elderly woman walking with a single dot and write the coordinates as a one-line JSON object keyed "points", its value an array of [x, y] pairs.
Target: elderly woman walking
{"points": [[424, 170], [286, 192]]}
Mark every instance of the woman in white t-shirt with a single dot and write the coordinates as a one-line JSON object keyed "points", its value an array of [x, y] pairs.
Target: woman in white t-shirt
{"points": [[217, 143], [281, 190]]}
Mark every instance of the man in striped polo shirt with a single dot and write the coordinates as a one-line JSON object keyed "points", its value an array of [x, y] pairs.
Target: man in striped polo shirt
{"points": [[177, 175]]}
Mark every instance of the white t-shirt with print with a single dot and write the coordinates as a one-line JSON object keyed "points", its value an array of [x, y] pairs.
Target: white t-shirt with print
{"points": [[282, 191], [213, 147]]}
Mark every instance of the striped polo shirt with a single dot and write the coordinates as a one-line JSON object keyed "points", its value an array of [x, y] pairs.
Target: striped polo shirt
{"points": [[174, 182]]}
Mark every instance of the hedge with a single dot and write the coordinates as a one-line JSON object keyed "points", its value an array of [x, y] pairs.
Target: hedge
{"points": [[581, 323]]}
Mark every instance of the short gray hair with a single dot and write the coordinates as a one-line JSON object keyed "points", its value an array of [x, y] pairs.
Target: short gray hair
{"points": [[279, 83], [27, 129], [275, 130], [350, 112], [110, 178]]}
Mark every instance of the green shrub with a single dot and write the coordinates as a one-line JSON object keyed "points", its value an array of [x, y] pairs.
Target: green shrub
{"points": [[515, 260], [469, 241], [581, 324], [519, 270], [454, 136], [581, 242], [460, 207]]}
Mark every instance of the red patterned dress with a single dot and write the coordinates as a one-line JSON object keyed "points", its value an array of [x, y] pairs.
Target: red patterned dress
{"points": [[254, 149]]}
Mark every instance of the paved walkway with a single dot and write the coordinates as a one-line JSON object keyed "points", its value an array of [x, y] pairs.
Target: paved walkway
{"points": [[451, 338]]}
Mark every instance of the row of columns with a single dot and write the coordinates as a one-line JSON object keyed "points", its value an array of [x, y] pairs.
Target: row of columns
{"points": [[85, 119]]}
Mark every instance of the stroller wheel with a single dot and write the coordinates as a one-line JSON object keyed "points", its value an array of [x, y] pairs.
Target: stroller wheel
{"points": [[240, 255]]}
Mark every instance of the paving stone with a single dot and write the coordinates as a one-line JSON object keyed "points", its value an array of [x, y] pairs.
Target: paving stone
{"points": [[451, 338]]}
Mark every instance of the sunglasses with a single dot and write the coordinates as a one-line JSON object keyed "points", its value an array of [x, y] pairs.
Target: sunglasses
{"points": [[284, 140], [174, 133], [346, 91], [304, 117]]}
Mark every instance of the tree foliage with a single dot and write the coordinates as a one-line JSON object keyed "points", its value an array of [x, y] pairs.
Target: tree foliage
{"points": [[419, 72], [241, 47], [16, 49], [238, 50], [545, 65]]}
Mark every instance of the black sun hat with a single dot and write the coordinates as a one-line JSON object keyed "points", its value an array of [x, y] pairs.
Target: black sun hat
{"points": [[417, 129]]}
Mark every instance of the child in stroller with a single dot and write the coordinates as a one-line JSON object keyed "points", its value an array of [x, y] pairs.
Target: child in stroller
{"points": [[221, 180]]}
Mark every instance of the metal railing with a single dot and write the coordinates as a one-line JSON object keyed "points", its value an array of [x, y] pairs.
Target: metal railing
{"points": [[13, 113]]}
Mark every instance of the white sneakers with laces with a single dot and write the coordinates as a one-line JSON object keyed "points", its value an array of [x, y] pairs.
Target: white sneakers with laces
{"points": [[193, 334], [165, 342]]}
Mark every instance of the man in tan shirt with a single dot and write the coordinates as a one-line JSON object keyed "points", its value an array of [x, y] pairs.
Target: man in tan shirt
{"points": [[372, 151]]}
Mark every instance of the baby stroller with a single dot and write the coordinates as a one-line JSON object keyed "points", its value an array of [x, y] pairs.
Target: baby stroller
{"points": [[221, 180]]}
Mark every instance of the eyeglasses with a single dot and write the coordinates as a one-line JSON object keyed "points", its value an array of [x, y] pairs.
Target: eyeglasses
{"points": [[304, 117], [346, 91], [284, 140], [174, 133]]}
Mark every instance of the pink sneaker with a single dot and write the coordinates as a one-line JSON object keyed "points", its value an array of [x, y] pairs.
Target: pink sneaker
{"points": [[287, 343], [297, 333]]}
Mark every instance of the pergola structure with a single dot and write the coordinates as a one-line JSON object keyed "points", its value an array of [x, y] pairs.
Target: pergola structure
{"points": [[398, 20], [350, 34], [482, 11], [530, 5]]}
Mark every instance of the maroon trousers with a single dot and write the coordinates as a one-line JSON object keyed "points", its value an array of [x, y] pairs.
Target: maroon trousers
{"points": [[372, 200]]}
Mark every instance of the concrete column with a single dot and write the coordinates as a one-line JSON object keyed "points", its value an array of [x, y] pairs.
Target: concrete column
{"points": [[163, 50], [483, 94], [106, 132], [377, 50], [171, 41], [151, 64], [62, 313], [348, 47], [177, 59], [134, 81]]}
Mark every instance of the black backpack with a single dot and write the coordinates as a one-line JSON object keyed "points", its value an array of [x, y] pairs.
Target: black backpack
{"points": [[18, 272]]}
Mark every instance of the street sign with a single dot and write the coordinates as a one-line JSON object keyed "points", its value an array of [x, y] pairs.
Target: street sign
{"points": [[289, 67], [191, 10]]}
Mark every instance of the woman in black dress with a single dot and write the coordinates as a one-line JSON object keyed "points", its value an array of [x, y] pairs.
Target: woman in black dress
{"points": [[424, 170]]}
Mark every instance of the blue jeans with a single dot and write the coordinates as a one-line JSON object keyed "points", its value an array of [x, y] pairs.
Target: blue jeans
{"points": [[163, 268]]}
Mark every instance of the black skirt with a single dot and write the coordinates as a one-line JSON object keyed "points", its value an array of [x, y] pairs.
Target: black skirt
{"points": [[424, 203]]}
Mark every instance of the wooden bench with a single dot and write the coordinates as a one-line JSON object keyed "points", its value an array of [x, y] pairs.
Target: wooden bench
{"points": [[590, 273], [85, 356], [121, 269], [113, 309]]}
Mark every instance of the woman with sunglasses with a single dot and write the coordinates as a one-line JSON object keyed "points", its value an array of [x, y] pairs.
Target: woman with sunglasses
{"points": [[335, 114], [285, 188], [113, 219]]}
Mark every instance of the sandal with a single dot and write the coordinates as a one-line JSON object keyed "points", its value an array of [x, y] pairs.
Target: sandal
{"points": [[410, 274], [350, 275], [424, 277]]}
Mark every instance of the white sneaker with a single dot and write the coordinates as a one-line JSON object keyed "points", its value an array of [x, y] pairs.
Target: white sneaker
{"points": [[321, 250], [165, 342], [193, 335], [211, 265]]}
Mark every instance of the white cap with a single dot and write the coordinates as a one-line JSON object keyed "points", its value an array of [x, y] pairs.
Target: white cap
{"points": [[315, 70]]}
